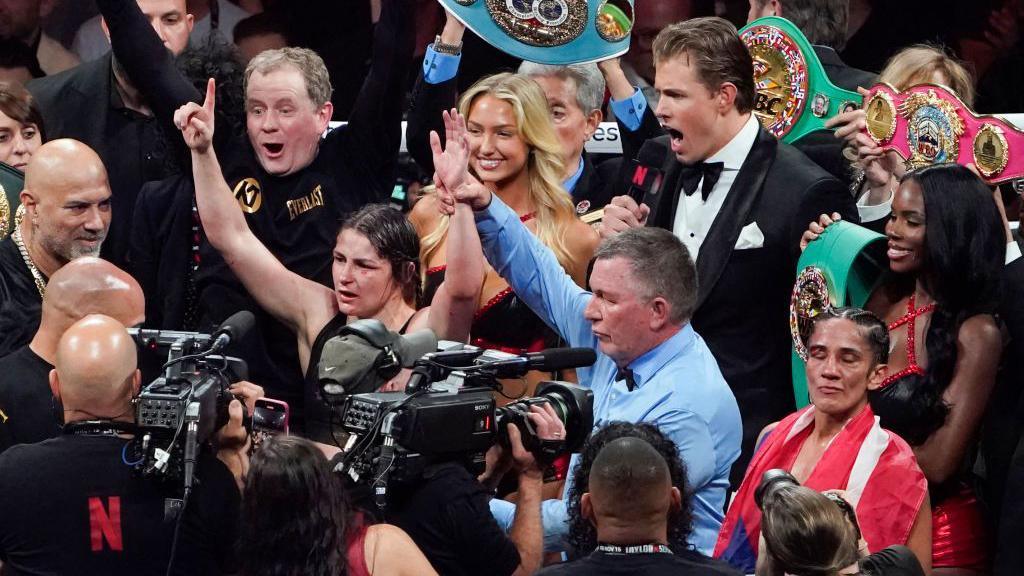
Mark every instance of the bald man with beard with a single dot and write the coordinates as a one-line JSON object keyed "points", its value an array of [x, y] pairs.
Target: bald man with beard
{"points": [[71, 505], [84, 286], [67, 213]]}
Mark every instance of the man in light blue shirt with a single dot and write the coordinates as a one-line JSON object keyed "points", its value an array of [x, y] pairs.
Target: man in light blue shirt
{"points": [[651, 365]]}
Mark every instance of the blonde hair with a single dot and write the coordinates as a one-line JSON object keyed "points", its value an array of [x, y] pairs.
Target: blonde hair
{"points": [[918, 64], [554, 208]]}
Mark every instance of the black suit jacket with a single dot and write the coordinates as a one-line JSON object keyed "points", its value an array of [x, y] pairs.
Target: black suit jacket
{"points": [[743, 295], [822, 146]]}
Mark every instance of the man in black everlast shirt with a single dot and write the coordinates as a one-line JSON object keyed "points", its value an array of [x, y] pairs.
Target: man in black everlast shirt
{"points": [[67, 212], [28, 412], [71, 505], [293, 186]]}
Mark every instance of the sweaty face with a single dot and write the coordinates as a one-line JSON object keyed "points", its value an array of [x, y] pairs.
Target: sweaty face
{"points": [[19, 19], [17, 141], [759, 9], [840, 367], [619, 319], [284, 125], [170, 20], [497, 152], [72, 221], [906, 229], [363, 279], [570, 121], [687, 110]]}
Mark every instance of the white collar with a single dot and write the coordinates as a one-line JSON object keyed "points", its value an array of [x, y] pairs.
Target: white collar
{"points": [[735, 152]]}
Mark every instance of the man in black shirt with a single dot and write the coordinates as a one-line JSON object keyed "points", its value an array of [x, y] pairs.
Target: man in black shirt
{"points": [[28, 411], [98, 103], [71, 505], [67, 212], [293, 186], [629, 502]]}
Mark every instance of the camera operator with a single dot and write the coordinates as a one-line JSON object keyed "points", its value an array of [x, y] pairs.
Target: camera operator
{"points": [[805, 533], [448, 517], [75, 505]]}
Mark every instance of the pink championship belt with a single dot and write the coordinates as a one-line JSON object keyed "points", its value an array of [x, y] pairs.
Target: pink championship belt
{"points": [[928, 124]]}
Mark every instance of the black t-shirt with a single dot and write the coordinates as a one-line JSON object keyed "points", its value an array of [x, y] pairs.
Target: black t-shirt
{"points": [[449, 518], [891, 561], [27, 407], [655, 564], [20, 302], [71, 506]]}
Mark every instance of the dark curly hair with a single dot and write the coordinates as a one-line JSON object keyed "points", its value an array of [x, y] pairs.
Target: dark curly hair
{"points": [[582, 536], [965, 249], [394, 238], [295, 513]]}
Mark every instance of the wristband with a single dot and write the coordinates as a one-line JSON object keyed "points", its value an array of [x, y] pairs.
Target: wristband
{"points": [[794, 95], [450, 49]]}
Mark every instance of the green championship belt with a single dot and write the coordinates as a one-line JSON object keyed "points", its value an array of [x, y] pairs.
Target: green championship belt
{"points": [[788, 76], [11, 183], [841, 268]]}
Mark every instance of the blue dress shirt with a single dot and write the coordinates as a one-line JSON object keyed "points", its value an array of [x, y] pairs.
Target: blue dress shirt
{"points": [[570, 183], [630, 111], [438, 67], [679, 386]]}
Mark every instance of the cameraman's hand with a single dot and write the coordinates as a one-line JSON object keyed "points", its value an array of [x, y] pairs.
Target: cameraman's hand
{"points": [[247, 392], [233, 442], [549, 427]]}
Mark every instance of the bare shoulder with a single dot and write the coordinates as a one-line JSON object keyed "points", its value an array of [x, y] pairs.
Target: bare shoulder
{"points": [[582, 239], [424, 215], [980, 333], [389, 550]]}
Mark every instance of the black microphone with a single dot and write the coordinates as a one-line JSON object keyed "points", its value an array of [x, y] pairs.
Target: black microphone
{"points": [[230, 330], [549, 360], [645, 186]]}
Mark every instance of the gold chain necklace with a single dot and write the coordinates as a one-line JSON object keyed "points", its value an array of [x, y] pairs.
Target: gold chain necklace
{"points": [[36, 275]]}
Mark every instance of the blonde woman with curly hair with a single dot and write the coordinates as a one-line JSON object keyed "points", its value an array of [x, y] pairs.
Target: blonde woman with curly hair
{"points": [[514, 151]]}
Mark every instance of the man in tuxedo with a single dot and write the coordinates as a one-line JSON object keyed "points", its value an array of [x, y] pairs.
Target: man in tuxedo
{"points": [[824, 23], [756, 196]]}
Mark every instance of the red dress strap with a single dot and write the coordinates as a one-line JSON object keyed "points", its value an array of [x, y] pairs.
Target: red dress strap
{"points": [[356, 550], [910, 320]]}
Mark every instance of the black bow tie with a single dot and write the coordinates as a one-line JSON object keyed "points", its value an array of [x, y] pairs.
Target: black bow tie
{"points": [[627, 375], [692, 174]]}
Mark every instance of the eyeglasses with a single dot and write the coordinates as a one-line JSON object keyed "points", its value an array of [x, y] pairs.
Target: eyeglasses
{"points": [[847, 510]]}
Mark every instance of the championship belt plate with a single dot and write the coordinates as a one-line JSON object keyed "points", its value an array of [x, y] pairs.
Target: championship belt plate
{"points": [[841, 268], [794, 95], [11, 183], [550, 31], [928, 124]]}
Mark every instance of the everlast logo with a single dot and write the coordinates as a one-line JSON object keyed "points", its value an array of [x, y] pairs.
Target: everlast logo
{"points": [[306, 203], [248, 195], [766, 104]]}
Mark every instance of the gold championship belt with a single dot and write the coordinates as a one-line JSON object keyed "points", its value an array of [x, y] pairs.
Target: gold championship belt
{"points": [[794, 95], [12, 181], [928, 124]]}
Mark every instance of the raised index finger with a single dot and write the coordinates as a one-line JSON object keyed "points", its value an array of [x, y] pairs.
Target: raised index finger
{"points": [[211, 96]]}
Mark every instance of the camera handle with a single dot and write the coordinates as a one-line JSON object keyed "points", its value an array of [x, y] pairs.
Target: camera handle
{"points": [[191, 442]]}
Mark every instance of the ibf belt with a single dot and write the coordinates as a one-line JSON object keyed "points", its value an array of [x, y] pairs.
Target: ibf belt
{"points": [[794, 95], [550, 31], [841, 268], [928, 124]]}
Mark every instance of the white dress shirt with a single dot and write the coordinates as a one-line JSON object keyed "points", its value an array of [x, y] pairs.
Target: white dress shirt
{"points": [[694, 216]]}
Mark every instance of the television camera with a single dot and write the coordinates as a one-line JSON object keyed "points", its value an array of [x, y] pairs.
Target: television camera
{"points": [[447, 411]]}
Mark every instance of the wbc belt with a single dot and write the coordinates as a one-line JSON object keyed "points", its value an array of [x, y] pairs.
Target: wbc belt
{"points": [[794, 95], [550, 31], [928, 124], [841, 268]]}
